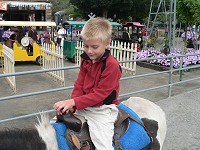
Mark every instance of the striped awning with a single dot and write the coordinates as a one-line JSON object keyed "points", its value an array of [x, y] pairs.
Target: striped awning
{"points": [[27, 4]]}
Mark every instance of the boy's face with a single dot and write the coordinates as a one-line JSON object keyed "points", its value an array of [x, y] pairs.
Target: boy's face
{"points": [[95, 48]]}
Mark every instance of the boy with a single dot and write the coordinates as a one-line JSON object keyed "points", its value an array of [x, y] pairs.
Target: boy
{"points": [[95, 94]]}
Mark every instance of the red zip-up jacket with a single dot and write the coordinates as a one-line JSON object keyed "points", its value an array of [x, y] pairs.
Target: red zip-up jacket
{"points": [[95, 87]]}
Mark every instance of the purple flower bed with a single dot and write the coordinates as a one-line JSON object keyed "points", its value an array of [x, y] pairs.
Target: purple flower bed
{"points": [[152, 53], [190, 35]]}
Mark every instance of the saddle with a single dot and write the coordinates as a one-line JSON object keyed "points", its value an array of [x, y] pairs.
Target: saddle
{"points": [[77, 133]]}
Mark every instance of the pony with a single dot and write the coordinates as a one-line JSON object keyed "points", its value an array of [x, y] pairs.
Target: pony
{"points": [[44, 137]]}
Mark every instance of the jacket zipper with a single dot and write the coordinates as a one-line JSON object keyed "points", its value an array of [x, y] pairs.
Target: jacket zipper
{"points": [[90, 67]]}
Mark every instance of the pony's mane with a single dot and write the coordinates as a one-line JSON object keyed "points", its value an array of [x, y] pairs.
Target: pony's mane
{"points": [[19, 139], [47, 132]]}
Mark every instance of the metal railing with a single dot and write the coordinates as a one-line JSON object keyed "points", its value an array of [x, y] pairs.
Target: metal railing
{"points": [[169, 84]]}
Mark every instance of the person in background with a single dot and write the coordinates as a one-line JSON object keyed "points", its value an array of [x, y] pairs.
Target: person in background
{"points": [[14, 37], [69, 32], [25, 28], [46, 36], [32, 33], [21, 34], [1, 33], [7, 33], [61, 36], [41, 39], [95, 93], [74, 35]]}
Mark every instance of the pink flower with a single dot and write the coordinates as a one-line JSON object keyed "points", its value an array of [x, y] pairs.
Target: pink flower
{"points": [[151, 53]]}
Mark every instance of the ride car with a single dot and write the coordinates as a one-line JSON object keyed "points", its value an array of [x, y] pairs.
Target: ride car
{"points": [[21, 52]]}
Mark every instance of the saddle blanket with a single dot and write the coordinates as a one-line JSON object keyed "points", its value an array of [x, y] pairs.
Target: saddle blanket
{"points": [[135, 137]]}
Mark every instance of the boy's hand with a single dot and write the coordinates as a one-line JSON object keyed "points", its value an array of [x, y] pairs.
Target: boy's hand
{"points": [[64, 106]]}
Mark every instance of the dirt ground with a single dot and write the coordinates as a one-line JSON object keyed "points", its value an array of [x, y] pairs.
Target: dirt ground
{"points": [[182, 112]]}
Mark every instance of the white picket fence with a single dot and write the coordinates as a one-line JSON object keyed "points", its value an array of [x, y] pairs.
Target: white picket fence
{"points": [[9, 66], [121, 51], [53, 58]]}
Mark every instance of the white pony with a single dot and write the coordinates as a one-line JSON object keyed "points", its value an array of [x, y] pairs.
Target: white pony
{"points": [[45, 135]]}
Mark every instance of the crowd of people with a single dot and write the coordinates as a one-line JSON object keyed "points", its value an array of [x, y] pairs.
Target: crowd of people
{"points": [[16, 34], [11, 35]]}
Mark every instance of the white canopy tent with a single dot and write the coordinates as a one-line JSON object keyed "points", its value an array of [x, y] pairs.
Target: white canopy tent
{"points": [[27, 23]]}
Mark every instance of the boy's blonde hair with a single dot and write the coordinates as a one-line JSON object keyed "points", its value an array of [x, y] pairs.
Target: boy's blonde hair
{"points": [[97, 28]]}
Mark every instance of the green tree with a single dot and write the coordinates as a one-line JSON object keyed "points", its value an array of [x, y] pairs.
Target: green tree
{"points": [[188, 11], [103, 8], [140, 9], [121, 9], [63, 5]]}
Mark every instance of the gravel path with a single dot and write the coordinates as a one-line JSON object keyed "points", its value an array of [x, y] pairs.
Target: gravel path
{"points": [[183, 115]]}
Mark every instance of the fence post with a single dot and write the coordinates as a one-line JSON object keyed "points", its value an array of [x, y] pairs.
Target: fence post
{"points": [[170, 78], [121, 51], [53, 58], [9, 66]]}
